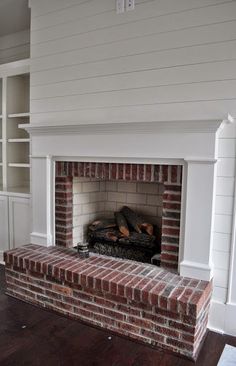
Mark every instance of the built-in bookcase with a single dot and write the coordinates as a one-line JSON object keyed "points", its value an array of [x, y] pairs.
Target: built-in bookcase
{"points": [[14, 141]]}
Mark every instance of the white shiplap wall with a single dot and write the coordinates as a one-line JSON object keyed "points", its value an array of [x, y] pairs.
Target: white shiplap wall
{"points": [[15, 46], [166, 60]]}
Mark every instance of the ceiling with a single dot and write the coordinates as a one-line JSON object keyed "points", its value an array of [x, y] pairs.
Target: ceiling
{"points": [[14, 16]]}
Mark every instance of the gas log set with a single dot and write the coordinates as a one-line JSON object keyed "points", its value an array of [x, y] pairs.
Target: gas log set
{"points": [[126, 236]]}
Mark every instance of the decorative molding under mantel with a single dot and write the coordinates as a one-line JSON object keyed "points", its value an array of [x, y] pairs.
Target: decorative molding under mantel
{"points": [[201, 126]]}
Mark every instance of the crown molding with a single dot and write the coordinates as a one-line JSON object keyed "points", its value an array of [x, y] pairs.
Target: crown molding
{"points": [[200, 126]]}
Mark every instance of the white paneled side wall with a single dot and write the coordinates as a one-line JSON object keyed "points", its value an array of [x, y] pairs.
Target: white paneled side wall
{"points": [[15, 46], [224, 205], [224, 306]]}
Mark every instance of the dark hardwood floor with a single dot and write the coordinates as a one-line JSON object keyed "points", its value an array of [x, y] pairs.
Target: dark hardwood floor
{"points": [[32, 336]]}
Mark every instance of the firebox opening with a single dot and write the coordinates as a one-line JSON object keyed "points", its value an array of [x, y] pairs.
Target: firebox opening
{"points": [[86, 192], [95, 204]]}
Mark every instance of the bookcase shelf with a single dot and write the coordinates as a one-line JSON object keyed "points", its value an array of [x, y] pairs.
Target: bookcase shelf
{"points": [[18, 115]]}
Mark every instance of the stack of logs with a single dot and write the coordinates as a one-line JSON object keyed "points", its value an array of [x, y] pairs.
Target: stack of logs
{"points": [[126, 228]]}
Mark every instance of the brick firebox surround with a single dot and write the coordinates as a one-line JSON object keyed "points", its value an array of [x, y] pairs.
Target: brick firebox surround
{"points": [[143, 302], [169, 175]]}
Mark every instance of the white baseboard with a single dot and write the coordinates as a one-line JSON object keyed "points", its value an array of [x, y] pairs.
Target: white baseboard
{"points": [[39, 239], [195, 270], [222, 318]]}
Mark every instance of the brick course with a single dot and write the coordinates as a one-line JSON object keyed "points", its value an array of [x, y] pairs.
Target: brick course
{"points": [[143, 302]]}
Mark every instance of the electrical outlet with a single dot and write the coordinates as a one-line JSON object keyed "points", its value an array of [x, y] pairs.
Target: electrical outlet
{"points": [[120, 6], [130, 4]]}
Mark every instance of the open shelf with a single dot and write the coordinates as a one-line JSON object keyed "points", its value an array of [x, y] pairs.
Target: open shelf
{"points": [[18, 165], [20, 140], [18, 115]]}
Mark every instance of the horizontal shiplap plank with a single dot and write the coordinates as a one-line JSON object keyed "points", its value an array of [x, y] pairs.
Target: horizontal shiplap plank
{"points": [[220, 278], [152, 95], [226, 167], [221, 242], [142, 113], [133, 24], [224, 205], [220, 260], [141, 79], [80, 9], [227, 148], [14, 39], [225, 186], [14, 46], [45, 6], [145, 32], [11, 53], [219, 294], [143, 8], [223, 224]]}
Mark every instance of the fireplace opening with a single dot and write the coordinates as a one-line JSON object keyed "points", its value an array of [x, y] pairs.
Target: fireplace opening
{"points": [[131, 211], [118, 218]]}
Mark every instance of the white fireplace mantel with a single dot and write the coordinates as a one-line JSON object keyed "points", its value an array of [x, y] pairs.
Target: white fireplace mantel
{"points": [[192, 144]]}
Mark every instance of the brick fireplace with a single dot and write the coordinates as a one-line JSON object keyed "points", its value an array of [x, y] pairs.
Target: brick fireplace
{"points": [[163, 179], [144, 302]]}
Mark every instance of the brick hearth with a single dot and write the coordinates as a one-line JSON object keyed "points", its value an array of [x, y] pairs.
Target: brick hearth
{"points": [[141, 301], [168, 175]]}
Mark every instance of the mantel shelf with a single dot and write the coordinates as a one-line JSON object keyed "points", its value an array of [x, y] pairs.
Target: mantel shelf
{"points": [[180, 127]]}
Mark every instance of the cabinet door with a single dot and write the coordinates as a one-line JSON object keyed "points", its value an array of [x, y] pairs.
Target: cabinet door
{"points": [[19, 221], [4, 237]]}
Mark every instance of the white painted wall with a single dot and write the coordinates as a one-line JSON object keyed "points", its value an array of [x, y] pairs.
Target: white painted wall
{"points": [[166, 60], [15, 46]]}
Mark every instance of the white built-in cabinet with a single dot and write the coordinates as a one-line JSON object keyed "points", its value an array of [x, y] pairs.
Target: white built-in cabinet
{"points": [[15, 222], [14, 155]]}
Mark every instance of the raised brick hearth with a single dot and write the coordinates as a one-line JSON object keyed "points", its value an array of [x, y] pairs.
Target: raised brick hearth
{"points": [[141, 301], [168, 175]]}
